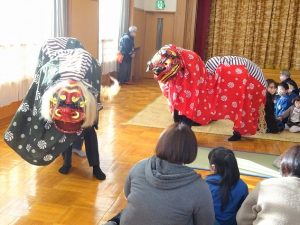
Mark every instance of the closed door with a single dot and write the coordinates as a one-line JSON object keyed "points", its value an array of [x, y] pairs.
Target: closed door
{"points": [[159, 32]]}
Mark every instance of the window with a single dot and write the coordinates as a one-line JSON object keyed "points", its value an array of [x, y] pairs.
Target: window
{"points": [[24, 27]]}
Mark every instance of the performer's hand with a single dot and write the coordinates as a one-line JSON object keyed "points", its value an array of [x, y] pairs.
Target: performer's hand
{"points": [[133, 55], [279, 118]]}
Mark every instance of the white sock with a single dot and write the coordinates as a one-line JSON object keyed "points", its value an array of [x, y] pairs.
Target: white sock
{"points": [[294, 129]]}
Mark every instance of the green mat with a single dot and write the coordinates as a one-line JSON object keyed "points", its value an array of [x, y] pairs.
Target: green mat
{"points": [[250, 164]]}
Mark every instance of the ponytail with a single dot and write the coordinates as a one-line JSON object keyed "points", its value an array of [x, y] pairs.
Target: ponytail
{"points": [[226, 166]]}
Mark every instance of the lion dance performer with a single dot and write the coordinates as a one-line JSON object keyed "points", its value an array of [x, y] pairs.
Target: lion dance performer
{"points": [[60, 107], [227, 87]]}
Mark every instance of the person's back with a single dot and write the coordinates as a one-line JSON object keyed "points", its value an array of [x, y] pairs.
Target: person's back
{"points": [[275, 201], [238, 193], [162, 191], [227, 189], [166, 194]]}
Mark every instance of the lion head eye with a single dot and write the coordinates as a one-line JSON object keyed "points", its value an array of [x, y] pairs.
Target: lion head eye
{"points": [[62, 97], [75, 99], [82, 104], [53, 100]]}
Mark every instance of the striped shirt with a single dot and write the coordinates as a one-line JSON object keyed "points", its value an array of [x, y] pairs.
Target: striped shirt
{"points": [[213, 63]]}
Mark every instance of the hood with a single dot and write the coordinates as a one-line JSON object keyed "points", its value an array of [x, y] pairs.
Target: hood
{"points": [[164, 175]]}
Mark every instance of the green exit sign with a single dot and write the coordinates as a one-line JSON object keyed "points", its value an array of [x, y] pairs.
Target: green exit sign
{"points": [[160, 4]]}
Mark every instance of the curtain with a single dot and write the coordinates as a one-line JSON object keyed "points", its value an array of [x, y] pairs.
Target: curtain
{"points": [[114, 20], [202, 25], [24, 26], [124, 10], [60, 21], [267, 32]]}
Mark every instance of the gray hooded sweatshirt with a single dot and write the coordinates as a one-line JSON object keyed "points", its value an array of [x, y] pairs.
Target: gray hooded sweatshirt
{"points": [[163, 193]]}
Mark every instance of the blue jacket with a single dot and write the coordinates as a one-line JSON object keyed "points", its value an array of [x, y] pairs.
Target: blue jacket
{"points": [[126, 46], [293, 95], [238, 194], [282, 104]]}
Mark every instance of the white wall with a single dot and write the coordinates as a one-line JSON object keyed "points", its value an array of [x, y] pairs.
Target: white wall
{"points": [[149, 5], [139, 4]]}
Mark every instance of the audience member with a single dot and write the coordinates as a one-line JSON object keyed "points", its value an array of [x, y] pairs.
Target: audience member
{"points": [[275, 200], [283, 102], [293, 116], [162, 190], [227, 189], [285, 76], [270, 118], [293, 89]]}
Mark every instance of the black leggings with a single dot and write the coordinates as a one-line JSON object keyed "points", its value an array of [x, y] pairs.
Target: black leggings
{"points": [[91, 148], [116, 218], [183, 119]]}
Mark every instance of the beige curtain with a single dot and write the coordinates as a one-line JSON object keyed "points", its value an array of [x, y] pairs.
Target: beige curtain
{"points": [[267, 32]]}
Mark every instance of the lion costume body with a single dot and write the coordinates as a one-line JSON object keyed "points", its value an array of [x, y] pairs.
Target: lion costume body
{"points": [[61, 102], [225, 88]]}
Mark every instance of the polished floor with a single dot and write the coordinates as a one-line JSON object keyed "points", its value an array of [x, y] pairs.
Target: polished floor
{"points": [[40, 195]]}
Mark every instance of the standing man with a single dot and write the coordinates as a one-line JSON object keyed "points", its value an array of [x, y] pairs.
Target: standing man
{"points": [[126, 47]]}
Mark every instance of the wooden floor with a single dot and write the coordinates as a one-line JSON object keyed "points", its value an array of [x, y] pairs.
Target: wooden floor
{"points": [[40, 195]]}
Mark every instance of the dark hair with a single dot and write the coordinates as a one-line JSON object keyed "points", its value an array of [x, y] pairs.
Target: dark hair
{"points": [[177, 144], [290, 162], [284, 85], [296, 99], [294, 84], [226, 166], [271, 81]]}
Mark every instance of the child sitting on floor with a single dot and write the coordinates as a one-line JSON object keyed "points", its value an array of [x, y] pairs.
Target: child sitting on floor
{"points": [[283, 102], [293, 89], [227, 189], [293, 115], [269, 107]]}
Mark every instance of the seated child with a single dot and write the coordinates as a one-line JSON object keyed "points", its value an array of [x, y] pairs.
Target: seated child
{"points": [[227, 189], [269, 107], [283, 102], [293, 115], [293, 89]]}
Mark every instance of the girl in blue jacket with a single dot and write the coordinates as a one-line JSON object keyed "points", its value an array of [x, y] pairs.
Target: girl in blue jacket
{"points": [[227, 189]]}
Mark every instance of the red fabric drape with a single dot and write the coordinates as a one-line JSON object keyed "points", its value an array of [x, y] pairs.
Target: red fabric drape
{"points": [[202, 23]]}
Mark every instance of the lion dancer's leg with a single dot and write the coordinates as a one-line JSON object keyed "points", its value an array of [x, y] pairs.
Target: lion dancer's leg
{"points": [[230, 97], [91, 147], [254, 100]]}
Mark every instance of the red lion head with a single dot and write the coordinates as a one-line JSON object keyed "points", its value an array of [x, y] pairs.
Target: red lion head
{"points": [[165, 63]]}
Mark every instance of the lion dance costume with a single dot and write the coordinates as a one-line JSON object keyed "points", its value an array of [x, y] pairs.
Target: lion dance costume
{"points": [[61, 102], [228, 87]]}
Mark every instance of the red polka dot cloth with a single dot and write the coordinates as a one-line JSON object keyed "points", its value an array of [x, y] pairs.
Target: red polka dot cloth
{"points": [[229, 93]]}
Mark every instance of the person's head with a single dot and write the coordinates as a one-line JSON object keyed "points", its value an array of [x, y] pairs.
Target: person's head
{"points": [[292, 86], [132, 31], [272, 86], [296, 102], [290, 162], [283, 88], [223, 162], [177, 144], [284, 74]]}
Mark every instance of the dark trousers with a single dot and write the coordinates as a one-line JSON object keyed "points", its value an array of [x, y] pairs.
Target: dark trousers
{"points": [[183, 119], [290, 124], [91, 148], [116, 218], [124, 72]]}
